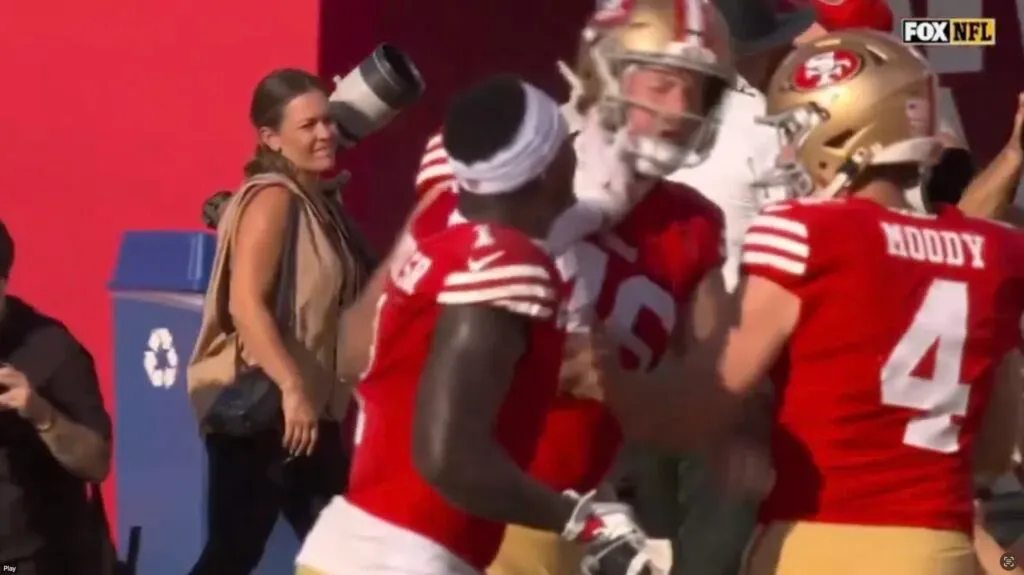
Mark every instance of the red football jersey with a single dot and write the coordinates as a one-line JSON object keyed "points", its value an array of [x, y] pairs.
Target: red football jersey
{"points": [[636, 280], [883, 384], [435, 170], [464, 264]]}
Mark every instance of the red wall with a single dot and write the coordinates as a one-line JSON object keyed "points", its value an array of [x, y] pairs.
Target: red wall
{"points": [[124, 115]]}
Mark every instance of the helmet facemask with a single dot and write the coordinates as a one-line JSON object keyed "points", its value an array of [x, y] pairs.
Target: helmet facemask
{"points": [[796, 125], [792, 127], [694, 131]]}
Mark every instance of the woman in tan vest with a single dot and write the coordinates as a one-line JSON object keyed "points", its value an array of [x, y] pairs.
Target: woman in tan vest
{"points": [[297, 469]]}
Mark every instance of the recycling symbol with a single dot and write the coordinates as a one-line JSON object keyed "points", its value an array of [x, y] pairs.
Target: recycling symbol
{"points": [[161, 359]]}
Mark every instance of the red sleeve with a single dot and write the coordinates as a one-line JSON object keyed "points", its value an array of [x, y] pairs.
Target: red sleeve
{"points": [[434, 168], [504, 269], [777, 247], [709, 233], [694, 244]]}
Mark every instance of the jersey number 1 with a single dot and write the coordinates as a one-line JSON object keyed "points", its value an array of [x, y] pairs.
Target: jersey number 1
{"points": [[940, 322]]}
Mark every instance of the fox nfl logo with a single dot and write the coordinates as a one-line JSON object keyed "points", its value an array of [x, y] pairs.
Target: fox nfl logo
{"points": [[949, 31]]}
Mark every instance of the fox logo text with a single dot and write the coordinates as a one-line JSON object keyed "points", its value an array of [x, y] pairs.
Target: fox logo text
{"points": [[949, 31]]}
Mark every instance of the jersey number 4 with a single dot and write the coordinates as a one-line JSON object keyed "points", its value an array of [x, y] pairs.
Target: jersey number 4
{"points": [[940, 322]]}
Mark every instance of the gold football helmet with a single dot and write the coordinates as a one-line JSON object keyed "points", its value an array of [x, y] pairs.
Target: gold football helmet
{"points": [[673, 35], [847, 101]]}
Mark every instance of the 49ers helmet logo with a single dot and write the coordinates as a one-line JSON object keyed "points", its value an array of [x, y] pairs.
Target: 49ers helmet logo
{"points": [[826, 69]]}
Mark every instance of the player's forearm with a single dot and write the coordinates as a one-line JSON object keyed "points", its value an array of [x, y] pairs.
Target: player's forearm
{"points": [[992, 190], [643, 407], [705, 411], [481, 479], [76, 447], [998, 434], [357, 327], [689, 377], [989, 552], [681, 407]]}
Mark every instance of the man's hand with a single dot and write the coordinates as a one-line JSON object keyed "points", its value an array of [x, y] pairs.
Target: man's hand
{"points": [[744, 468], [579, 376], [991, 192], [19, 396]]}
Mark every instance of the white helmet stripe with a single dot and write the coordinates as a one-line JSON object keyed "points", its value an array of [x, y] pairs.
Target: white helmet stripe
{"points": [[695, 16]]}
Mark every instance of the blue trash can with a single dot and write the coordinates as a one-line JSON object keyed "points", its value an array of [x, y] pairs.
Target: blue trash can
{"points": [[157, 291]]}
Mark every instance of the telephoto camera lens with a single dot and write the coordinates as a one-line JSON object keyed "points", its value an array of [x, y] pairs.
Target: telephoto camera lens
{"points": [[372, 94]]}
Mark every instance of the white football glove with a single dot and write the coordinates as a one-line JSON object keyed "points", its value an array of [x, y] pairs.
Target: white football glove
{"points": [[570, 110], [574, 224], [605, 179], [601, 185], [613, 543]]}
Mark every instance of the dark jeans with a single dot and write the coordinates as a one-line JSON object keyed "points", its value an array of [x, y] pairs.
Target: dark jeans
{"points": [[675, 497], [716, 527], [250, 483]]}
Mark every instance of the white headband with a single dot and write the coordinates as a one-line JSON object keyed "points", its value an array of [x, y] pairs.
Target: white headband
{"points": [[536, 143]]}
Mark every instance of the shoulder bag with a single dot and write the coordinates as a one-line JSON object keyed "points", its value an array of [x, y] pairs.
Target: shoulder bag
{"points": [[251, 404]]}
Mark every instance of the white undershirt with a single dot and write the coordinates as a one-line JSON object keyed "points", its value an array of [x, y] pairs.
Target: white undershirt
{"points": [[743, 151]]}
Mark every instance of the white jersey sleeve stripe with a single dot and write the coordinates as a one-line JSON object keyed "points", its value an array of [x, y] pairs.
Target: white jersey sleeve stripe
{"points": [[790, 247], [434, 156], [439, 171], [499, 273], [779, 224], [530, 291], [774, 261], [527, 308]]}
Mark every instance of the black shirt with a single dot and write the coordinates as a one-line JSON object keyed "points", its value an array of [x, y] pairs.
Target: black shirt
{"points": [[42, 504]]}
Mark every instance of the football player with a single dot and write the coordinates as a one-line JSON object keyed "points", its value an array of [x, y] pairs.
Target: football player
{"points": [[648, 84], [890, 333], [465, 359]]}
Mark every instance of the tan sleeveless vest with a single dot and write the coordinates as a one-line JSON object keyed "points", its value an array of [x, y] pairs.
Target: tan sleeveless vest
{"points": [[329, 279]]}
